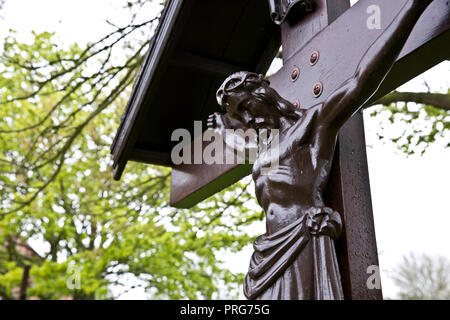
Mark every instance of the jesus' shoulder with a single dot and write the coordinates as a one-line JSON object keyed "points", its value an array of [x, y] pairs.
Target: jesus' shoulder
{"points": [[310, 130]]}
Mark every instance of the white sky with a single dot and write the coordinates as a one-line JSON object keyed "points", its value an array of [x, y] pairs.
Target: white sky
{"points": [[410, 196]]}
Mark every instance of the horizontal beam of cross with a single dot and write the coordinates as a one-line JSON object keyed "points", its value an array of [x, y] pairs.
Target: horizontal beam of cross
{"points": [[341, 46]]}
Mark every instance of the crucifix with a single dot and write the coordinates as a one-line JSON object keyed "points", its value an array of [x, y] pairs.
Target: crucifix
{"points": [[334, 63]]}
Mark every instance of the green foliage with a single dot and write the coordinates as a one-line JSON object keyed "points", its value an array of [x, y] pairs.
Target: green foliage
{"points": [[60, 108], [421, 125]]}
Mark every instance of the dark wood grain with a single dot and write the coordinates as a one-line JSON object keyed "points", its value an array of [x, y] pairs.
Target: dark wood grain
{"points": [[348, 192]]}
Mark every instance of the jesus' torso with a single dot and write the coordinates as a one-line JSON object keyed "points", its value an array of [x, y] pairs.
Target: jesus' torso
{"points": [[296, 184]]}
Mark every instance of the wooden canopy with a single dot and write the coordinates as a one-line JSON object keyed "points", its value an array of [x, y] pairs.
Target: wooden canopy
{"points": [[196, 45]]}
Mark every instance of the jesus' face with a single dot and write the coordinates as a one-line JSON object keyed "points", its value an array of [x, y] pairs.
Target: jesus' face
{"points": [[248, 104]]}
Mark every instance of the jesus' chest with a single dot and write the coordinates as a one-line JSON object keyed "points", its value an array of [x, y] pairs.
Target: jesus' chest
{"points": [[297, 167]]}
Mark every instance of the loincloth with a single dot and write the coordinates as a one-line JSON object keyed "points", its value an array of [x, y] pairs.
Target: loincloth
{"points": [[277, 252]]}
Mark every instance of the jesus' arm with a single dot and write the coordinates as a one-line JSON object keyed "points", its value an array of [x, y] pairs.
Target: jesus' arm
{"points": [[372, 69]]}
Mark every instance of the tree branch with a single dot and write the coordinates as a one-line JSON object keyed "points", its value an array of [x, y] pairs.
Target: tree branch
{"points": [[438, 100]]}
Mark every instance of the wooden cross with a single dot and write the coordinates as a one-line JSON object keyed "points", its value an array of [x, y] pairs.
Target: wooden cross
{"points": [[325, 47]]}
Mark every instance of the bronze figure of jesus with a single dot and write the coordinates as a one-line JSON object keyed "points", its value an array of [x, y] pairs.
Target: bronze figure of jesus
{"points": [[296, 258]]}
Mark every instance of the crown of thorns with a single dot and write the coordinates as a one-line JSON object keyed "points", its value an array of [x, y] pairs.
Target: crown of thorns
{"points": [[237, 80]]}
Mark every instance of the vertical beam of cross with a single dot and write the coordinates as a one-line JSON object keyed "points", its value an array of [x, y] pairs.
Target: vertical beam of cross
{"points": [[349, 190], [349, 193]]}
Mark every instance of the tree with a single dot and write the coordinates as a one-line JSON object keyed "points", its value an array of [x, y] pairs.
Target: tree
{"points": [[422, 277], [59, 108], [424, 117]]}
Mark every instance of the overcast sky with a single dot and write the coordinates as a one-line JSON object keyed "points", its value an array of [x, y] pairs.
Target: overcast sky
{"points": [[410, 194]]}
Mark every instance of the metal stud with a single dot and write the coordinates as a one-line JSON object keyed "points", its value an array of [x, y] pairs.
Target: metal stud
{"points": [[295, 74], [314, 57], [317, 89]]}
